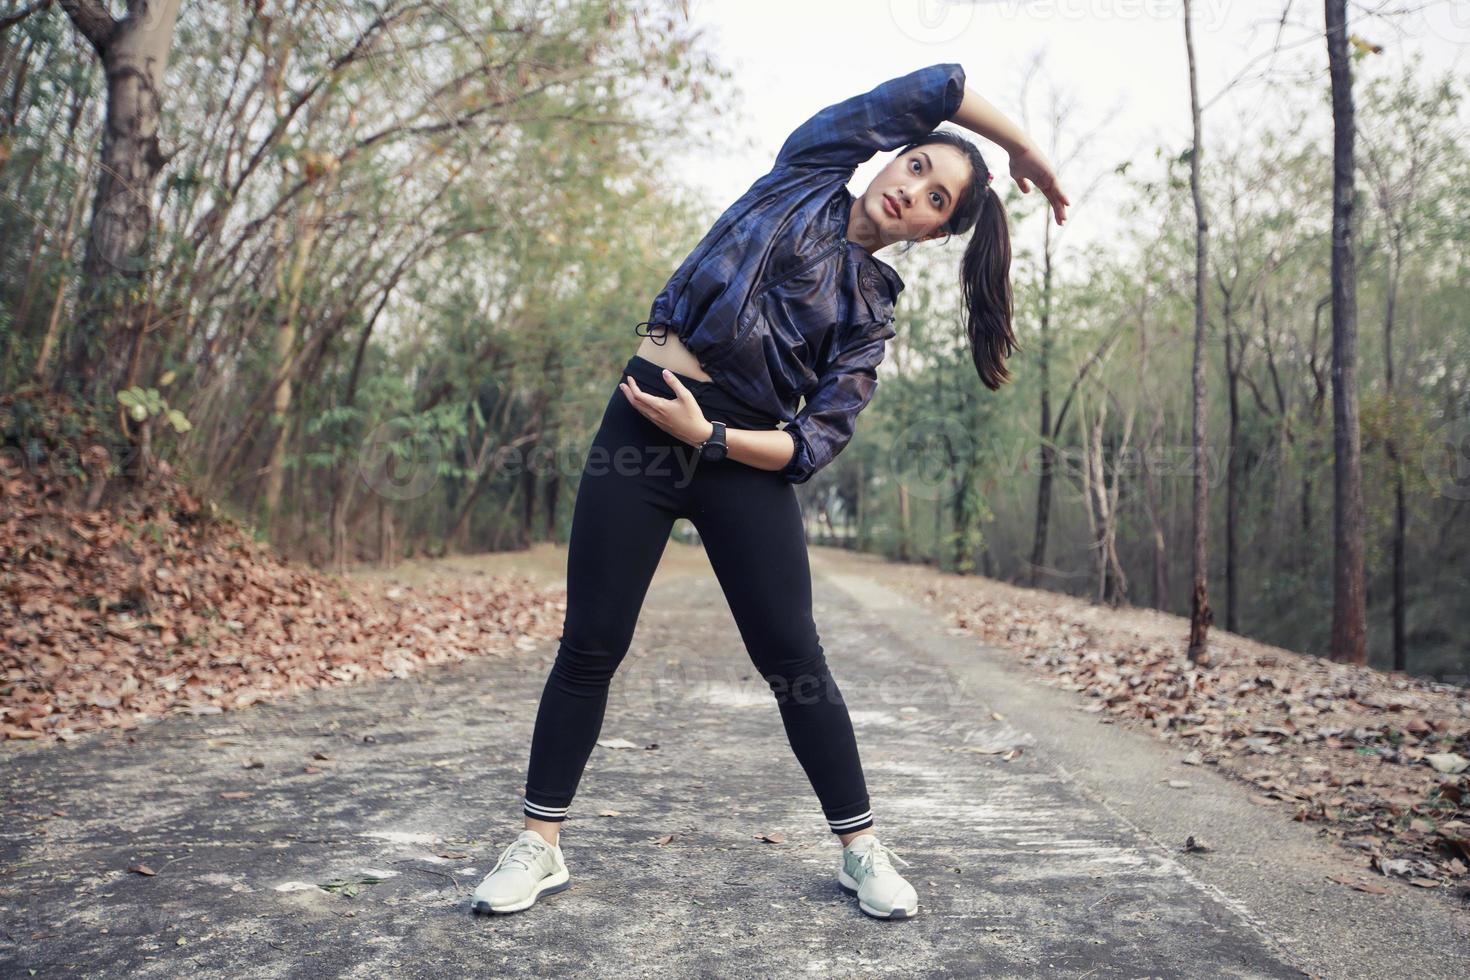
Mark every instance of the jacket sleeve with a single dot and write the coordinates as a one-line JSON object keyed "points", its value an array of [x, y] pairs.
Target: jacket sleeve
{"points": [[892, 114], [825, 424]]}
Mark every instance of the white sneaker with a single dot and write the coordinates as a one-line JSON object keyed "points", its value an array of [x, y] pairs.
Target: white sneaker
{"points": [[868, 873], [527, 869]]}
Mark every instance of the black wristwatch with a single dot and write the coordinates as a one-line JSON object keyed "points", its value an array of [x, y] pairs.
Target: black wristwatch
{"points": [[714, 447]]}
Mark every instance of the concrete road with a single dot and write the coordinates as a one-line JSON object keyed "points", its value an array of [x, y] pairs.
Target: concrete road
{"points": [[1023, 867]]}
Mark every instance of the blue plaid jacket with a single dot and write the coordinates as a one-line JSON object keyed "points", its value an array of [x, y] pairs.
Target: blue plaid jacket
{"points": [[775, 302]]}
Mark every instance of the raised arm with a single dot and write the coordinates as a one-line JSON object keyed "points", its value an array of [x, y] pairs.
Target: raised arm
{"points": [[893, 113], [1028, 164]]}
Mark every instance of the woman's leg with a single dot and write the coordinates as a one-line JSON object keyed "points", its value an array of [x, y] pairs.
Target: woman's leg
{"points": [[626, 504], [750, 522]]}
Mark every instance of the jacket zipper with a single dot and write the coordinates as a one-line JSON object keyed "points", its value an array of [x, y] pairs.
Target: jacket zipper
{"points": [[754, 299]]}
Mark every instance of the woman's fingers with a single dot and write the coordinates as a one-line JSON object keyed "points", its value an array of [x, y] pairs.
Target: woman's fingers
{"points": [[680, 392], [652, 407], [633, 394], [1059, 202]]}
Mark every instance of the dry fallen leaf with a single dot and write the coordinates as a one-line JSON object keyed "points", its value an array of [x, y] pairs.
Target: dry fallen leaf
{"points": [[142, 869], [194, 616], [1341, 746], [1362, 886], [1450, 763], [616, 743], [660, 841], [774, 837]]}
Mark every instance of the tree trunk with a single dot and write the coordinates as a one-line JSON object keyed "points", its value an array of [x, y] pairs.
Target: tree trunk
{"points": [[1158, 542], [905, 553], [58, 299], [289, 287], [1048, 456], [134, 54], [1200, 615], [1232, 467], [967, 515], [1400, 508], [1349, 601]]}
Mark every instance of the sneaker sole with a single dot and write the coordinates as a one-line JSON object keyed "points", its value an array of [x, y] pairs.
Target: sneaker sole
{"points": [[850, 886], [549, 885]]}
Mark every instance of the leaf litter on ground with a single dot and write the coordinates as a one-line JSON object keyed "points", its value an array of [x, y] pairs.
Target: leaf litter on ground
{"points": [[1376, 760]]}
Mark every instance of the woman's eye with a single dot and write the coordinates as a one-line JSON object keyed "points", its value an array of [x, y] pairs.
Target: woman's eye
{"points": [[914, 163], [938, 201]]}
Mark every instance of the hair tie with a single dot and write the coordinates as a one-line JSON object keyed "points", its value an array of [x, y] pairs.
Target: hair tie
{"points": [[989, 176]]}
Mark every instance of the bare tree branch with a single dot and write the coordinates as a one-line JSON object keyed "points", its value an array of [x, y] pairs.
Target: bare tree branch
{"points": [[10, 20], [93, 20]]}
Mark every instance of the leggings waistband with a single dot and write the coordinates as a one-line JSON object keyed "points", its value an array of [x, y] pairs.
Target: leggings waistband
{"points": [[718, 404]]}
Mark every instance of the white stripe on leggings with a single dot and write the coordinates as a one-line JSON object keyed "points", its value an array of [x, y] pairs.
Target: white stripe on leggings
{"points": [[849, 821], [550, 811]]}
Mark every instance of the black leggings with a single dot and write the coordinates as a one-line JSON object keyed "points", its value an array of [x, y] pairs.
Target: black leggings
{"points": [[637, 479]]}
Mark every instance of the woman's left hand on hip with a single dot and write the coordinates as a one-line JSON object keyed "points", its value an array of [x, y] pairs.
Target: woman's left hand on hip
{"points": [[680, 416]]}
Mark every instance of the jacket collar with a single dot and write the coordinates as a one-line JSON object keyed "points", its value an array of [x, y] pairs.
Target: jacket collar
{"points": [[874, 270]]}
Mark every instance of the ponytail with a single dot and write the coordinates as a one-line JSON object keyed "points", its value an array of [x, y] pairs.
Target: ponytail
{"points": [[985, 279]]}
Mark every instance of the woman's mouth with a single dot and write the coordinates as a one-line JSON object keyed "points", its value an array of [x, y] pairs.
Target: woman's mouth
{"points": [[890, 207]]}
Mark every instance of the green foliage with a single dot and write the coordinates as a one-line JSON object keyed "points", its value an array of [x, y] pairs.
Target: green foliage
{"points": [[445, 219], [145, 403]]}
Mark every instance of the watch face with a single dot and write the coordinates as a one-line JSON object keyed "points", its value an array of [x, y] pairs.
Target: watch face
{"points": [[715, 447]]}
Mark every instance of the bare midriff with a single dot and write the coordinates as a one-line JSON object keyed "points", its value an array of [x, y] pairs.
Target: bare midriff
{"points": [[671, 354]]}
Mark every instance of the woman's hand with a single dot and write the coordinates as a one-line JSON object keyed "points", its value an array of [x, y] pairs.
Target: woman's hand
{"points": [[1030, 164], [680, 416]]}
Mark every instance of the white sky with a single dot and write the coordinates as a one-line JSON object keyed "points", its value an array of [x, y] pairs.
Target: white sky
{"points": [[789, 58]]}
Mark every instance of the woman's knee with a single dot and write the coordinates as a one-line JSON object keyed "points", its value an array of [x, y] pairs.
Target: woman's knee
{"points": [[586, 668], [804, 679]]}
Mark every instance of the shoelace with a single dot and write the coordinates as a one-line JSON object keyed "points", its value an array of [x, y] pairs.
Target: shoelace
{"points": [[877, 856], [662, 338], [521, 853]]}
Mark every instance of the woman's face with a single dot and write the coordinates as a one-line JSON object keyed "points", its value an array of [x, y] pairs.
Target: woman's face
{"points": [[915, 194]]}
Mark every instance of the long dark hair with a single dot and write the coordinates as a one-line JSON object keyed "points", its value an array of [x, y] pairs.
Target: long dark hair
{"points": [[985, 270]]}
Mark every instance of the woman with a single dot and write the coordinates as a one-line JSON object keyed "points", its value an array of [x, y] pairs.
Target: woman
{"points": [[783, 298]]}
